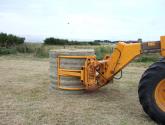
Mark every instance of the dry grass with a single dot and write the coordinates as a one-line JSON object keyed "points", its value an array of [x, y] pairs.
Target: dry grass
{"points": [[25, 99]]}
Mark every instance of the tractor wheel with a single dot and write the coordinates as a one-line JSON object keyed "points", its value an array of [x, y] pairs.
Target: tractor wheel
{"points": [[152, 91]]}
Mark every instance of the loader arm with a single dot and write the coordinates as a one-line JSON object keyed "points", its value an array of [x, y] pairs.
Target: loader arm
{"points": [[123, 54], [95, 74]]}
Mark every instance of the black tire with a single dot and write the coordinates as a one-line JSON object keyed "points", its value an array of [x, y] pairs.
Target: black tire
{"points": [[149, 80]]}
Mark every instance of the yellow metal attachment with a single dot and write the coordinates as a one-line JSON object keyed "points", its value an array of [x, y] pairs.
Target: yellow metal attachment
{"points": [[73, 73], [162, 42], [95, 74]]}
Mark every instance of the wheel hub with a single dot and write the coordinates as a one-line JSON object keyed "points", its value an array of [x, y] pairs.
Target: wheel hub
{"points": [[160, 95]]}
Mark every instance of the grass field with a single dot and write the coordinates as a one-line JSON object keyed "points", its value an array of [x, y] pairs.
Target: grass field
{"points": [[26, 100]]}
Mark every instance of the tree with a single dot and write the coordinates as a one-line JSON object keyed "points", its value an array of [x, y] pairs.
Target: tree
{"points": [[10, 40], [3, 39], [55, 41]]}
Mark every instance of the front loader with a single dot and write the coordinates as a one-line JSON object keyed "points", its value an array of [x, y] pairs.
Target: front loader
{"points": [[95, 74]]}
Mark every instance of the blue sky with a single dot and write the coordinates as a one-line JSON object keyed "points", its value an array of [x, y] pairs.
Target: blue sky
{"points": [[84, 19]]}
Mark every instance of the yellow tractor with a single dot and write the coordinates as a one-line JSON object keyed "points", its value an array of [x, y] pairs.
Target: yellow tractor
{"points": [[95, 74]]}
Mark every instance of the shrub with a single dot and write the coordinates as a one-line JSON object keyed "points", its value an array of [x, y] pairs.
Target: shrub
{"points": [[28, 47], [148, 58], [10, 40], [103, 51], [37, 49], [42, 52], [5, 51], [54, 41]]}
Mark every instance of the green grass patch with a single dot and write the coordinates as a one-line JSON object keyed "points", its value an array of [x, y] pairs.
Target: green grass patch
{"points": [[103, 51], [6, 51], [149, 58]]}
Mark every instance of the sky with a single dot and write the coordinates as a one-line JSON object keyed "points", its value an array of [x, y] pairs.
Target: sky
{"points": [[83, 19]]}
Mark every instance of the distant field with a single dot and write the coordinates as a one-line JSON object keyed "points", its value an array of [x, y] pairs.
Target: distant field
{"points": [[25, 99], [41, 50]]}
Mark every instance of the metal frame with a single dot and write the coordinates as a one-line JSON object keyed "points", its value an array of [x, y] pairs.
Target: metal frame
{"points": [[71, 73]]}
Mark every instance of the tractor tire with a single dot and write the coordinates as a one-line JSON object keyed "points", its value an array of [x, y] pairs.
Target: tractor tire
{"points": [[152, 91]]}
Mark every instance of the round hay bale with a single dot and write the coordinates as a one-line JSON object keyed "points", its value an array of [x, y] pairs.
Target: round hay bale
{"points": [[67, 64]]}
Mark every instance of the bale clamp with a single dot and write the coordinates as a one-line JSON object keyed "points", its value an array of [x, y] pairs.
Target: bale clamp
{"points": [[82, 73]]}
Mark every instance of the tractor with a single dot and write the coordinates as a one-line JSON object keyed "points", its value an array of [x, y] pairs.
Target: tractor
{"points": [[98, 73]]}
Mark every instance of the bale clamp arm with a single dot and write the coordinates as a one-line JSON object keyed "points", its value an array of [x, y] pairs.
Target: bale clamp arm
{"points": [[82, 73]]}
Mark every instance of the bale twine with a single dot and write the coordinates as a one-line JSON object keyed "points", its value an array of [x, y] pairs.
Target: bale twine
{"points": [[67, 64]]}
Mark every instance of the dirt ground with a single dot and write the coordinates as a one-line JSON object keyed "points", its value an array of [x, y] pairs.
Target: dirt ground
{"points": [[25, 98]]}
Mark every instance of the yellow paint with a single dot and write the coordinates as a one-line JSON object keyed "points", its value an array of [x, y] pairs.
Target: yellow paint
{"points": [[82, 74], [121, 56], [162, 43], [160, 95]]}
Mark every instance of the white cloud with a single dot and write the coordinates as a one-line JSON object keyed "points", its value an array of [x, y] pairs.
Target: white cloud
{"points": [[88, 19]]}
